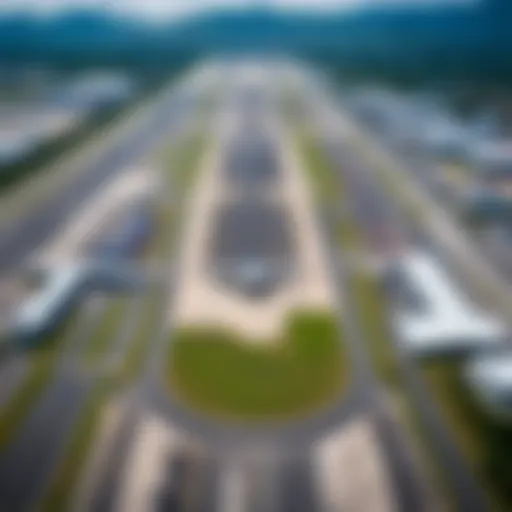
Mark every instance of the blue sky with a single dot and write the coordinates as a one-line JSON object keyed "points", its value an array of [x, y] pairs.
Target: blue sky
{"points": [[178, 8]]}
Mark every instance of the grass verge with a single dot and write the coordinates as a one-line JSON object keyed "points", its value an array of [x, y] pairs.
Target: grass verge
{"points": [[219, 373], [326, 185], [181, 161], [106, 330], [145, 332]]}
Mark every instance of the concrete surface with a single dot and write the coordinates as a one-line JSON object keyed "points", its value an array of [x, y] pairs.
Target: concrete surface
{"points": [[350, 472]]}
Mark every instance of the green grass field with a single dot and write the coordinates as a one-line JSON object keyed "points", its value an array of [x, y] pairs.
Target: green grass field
{"points": [[219, 373]]}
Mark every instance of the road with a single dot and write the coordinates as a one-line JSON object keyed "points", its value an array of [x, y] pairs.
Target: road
{"points": [[293, 488], [29, 461], [24, 464], [480, 274], [19, 239], [150, 394], [27, 464], [410, 493], [409, 489], [376, 212], [258, 229]]}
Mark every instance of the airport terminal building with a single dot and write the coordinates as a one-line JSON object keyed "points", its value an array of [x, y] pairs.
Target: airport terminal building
{"points": [[431, 316]]}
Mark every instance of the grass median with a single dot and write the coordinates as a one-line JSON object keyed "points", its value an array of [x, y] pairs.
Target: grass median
{"points": [[181, 161], [220, 373], [326, 185], [105, 332]]}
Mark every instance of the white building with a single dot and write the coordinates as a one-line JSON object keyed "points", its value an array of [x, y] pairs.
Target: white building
{"points": [[490, 377], [431, 316], [52, 122], [492, 159], [44, 310], [95, 90], [375, 103], [444, 138]]}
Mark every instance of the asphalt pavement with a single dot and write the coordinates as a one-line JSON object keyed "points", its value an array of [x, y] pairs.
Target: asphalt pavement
{"points": [[363, 192], [26, 465], [21, 238], [296, 484], [28, 462], [293, 488], [364, 396], [252, 250], [408, 489]]}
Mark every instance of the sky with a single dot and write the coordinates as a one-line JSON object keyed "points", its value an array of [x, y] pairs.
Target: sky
{"points": [[178, 8]]}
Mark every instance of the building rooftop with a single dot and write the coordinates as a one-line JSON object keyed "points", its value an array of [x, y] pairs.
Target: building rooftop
{"points": [[60, 283], [90, 90], [493, 157], [490, 376], [444, 134], [434, 315]]}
